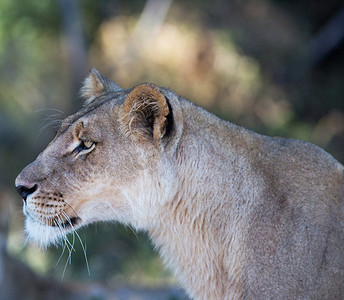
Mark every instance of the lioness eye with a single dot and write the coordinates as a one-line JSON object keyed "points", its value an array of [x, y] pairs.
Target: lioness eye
{"points": [[84, 147]]}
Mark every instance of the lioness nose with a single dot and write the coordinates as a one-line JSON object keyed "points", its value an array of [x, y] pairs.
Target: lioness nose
{"points": [[24, 191]]}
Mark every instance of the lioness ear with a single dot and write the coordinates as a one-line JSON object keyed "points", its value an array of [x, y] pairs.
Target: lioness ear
{"points": [[96, 84], [145, 113]]}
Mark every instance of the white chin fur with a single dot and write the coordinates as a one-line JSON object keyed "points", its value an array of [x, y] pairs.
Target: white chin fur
{"points": [[40, 234]]}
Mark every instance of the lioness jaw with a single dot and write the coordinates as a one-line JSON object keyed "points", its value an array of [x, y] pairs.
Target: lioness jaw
{"points": [[235, 214]]}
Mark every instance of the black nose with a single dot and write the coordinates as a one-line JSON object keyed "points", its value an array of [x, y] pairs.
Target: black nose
{"points": [[25, 191]]}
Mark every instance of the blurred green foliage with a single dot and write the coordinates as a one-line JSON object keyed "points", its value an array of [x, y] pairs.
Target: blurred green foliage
{"points": [[248, 62]]}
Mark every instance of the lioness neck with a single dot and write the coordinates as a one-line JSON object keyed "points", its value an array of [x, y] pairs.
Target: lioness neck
{"points": [[196, 239]]}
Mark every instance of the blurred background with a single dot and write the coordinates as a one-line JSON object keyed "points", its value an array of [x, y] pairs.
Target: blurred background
{"points": [[276, 67]]}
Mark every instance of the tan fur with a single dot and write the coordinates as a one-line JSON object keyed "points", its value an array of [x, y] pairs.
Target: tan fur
{"points": [[143, 103], [235, 214], [95, 84]]}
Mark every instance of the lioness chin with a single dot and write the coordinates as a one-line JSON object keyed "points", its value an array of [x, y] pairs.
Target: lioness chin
{"points": [[235, 214]]}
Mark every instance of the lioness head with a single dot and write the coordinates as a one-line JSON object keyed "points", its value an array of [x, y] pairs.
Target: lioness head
{"points": [[107, 162]]}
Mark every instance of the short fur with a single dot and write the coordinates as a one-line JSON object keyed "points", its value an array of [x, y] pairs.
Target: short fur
{"points": [[235, 214]]}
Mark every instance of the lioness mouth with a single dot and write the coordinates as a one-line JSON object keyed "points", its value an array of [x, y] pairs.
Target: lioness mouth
{"points": [[67, 223]]}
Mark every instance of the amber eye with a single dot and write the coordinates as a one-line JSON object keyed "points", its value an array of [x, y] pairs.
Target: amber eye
{"points": [[87, 144], [83, 148]]}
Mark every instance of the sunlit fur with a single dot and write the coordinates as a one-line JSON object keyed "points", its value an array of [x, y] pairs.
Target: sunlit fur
{"points": [[235, 215]]}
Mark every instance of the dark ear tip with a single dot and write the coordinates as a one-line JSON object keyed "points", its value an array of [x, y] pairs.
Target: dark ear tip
{"points": [[95, 72], [96, 84]]}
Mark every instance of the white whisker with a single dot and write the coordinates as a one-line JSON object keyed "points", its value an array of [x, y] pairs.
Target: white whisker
{"points": [[127, 225], [78, 236], [52, 120], [85, 255]]}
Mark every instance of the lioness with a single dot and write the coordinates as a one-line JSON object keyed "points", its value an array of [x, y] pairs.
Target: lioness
{"points": [[234, 213]]}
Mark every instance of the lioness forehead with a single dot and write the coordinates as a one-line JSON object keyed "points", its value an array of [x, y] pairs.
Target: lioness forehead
{"points": [[111, 99]]}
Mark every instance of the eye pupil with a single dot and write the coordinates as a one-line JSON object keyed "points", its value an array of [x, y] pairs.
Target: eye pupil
{"points": [[82, 145]]}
